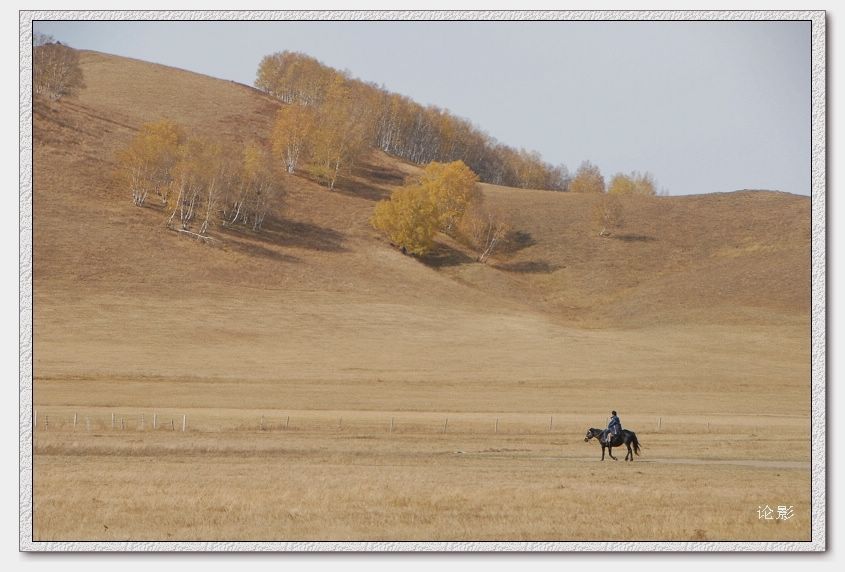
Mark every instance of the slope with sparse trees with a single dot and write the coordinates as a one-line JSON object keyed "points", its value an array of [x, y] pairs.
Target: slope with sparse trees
{"points": [[353, 115], [201, 182]]}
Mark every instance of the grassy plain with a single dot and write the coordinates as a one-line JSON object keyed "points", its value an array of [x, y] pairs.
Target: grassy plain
{"points": [[470, 457], [363, 483], [692, 323]]}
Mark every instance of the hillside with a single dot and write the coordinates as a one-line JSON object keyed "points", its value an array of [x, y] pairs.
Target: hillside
{"points": [[717, 258]]}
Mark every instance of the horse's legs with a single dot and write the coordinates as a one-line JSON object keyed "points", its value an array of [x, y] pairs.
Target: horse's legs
{"points": [[602, 452], [630, 452], [610, 452]]}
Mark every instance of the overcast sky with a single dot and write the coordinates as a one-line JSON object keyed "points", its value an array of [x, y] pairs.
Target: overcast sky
{"points": [[703, 106]]}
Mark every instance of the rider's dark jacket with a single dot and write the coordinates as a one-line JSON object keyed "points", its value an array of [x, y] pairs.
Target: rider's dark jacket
{"points": [[615, 426]]}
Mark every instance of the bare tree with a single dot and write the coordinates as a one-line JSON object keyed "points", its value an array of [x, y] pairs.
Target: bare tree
{"points": [[40, 39], [485, 230], [56, 70], [607, 214]]}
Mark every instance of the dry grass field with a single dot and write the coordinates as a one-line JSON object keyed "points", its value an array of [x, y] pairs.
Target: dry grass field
{"points": [[316, 366]]}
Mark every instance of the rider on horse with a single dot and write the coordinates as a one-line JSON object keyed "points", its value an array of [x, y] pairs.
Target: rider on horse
{"points": [[614, 427]]}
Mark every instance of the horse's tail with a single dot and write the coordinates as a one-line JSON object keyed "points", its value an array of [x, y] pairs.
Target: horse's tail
{"points": [[635, 442]]}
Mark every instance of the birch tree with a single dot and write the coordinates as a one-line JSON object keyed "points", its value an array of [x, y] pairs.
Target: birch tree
{"points": [[436, 200], [409, 219], [636, 183], [189, 182], [484, 229], [607, 215], [588, 179], [293, 134], [341, 136], [146, 165], [351, 115], [294, 78], [452, 187], [261, 189], [56, 70]]}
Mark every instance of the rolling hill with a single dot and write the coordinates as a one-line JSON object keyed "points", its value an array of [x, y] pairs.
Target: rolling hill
{"points": [[119, 294], [730, 257]]}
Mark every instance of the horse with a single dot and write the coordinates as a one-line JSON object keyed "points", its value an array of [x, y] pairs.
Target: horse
{"points": [[625, 437]]}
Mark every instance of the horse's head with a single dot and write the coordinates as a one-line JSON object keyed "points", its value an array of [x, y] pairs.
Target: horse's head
{"points": [[591, 433]]}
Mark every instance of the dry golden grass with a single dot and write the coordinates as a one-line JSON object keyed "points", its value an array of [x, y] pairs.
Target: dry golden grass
{"points": [[300, 485], [697, 314]]}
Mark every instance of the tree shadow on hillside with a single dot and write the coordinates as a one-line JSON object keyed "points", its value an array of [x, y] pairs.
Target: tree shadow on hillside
{"points": [[633, 237], [528, 267], [367, 178], [348, 186], [380, 174], [305, 235], [515, 241], [353, 187], [255, 249], [443, 256], [295, 234]]}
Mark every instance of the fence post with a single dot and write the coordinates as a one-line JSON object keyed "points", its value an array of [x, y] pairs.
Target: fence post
{"points": [[184, 422], [112, 420], [659, 423], [261, 424], [446, 425], [171, 424], [287, 421], [142, 422], [391, 424], [551, 420], [155, 420], [74, 421], [497, 425]]}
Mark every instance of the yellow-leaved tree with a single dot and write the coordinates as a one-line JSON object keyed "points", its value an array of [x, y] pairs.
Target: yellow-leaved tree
{"points": [[634, 184], [452, 187], [146, 164], [342, 133], [409, 219], [293, 134], [261, 188], [200, 179], [588, 179], [436, 200], [187, 183]]}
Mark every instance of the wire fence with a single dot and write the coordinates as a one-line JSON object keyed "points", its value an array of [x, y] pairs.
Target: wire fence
{"points": [[99, 421]]}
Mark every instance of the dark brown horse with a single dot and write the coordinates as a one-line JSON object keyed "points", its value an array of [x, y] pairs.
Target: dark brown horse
{"points": [[625, 437]]}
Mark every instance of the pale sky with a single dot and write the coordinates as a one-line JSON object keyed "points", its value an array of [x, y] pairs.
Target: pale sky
{"points": [[703, 106]]}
